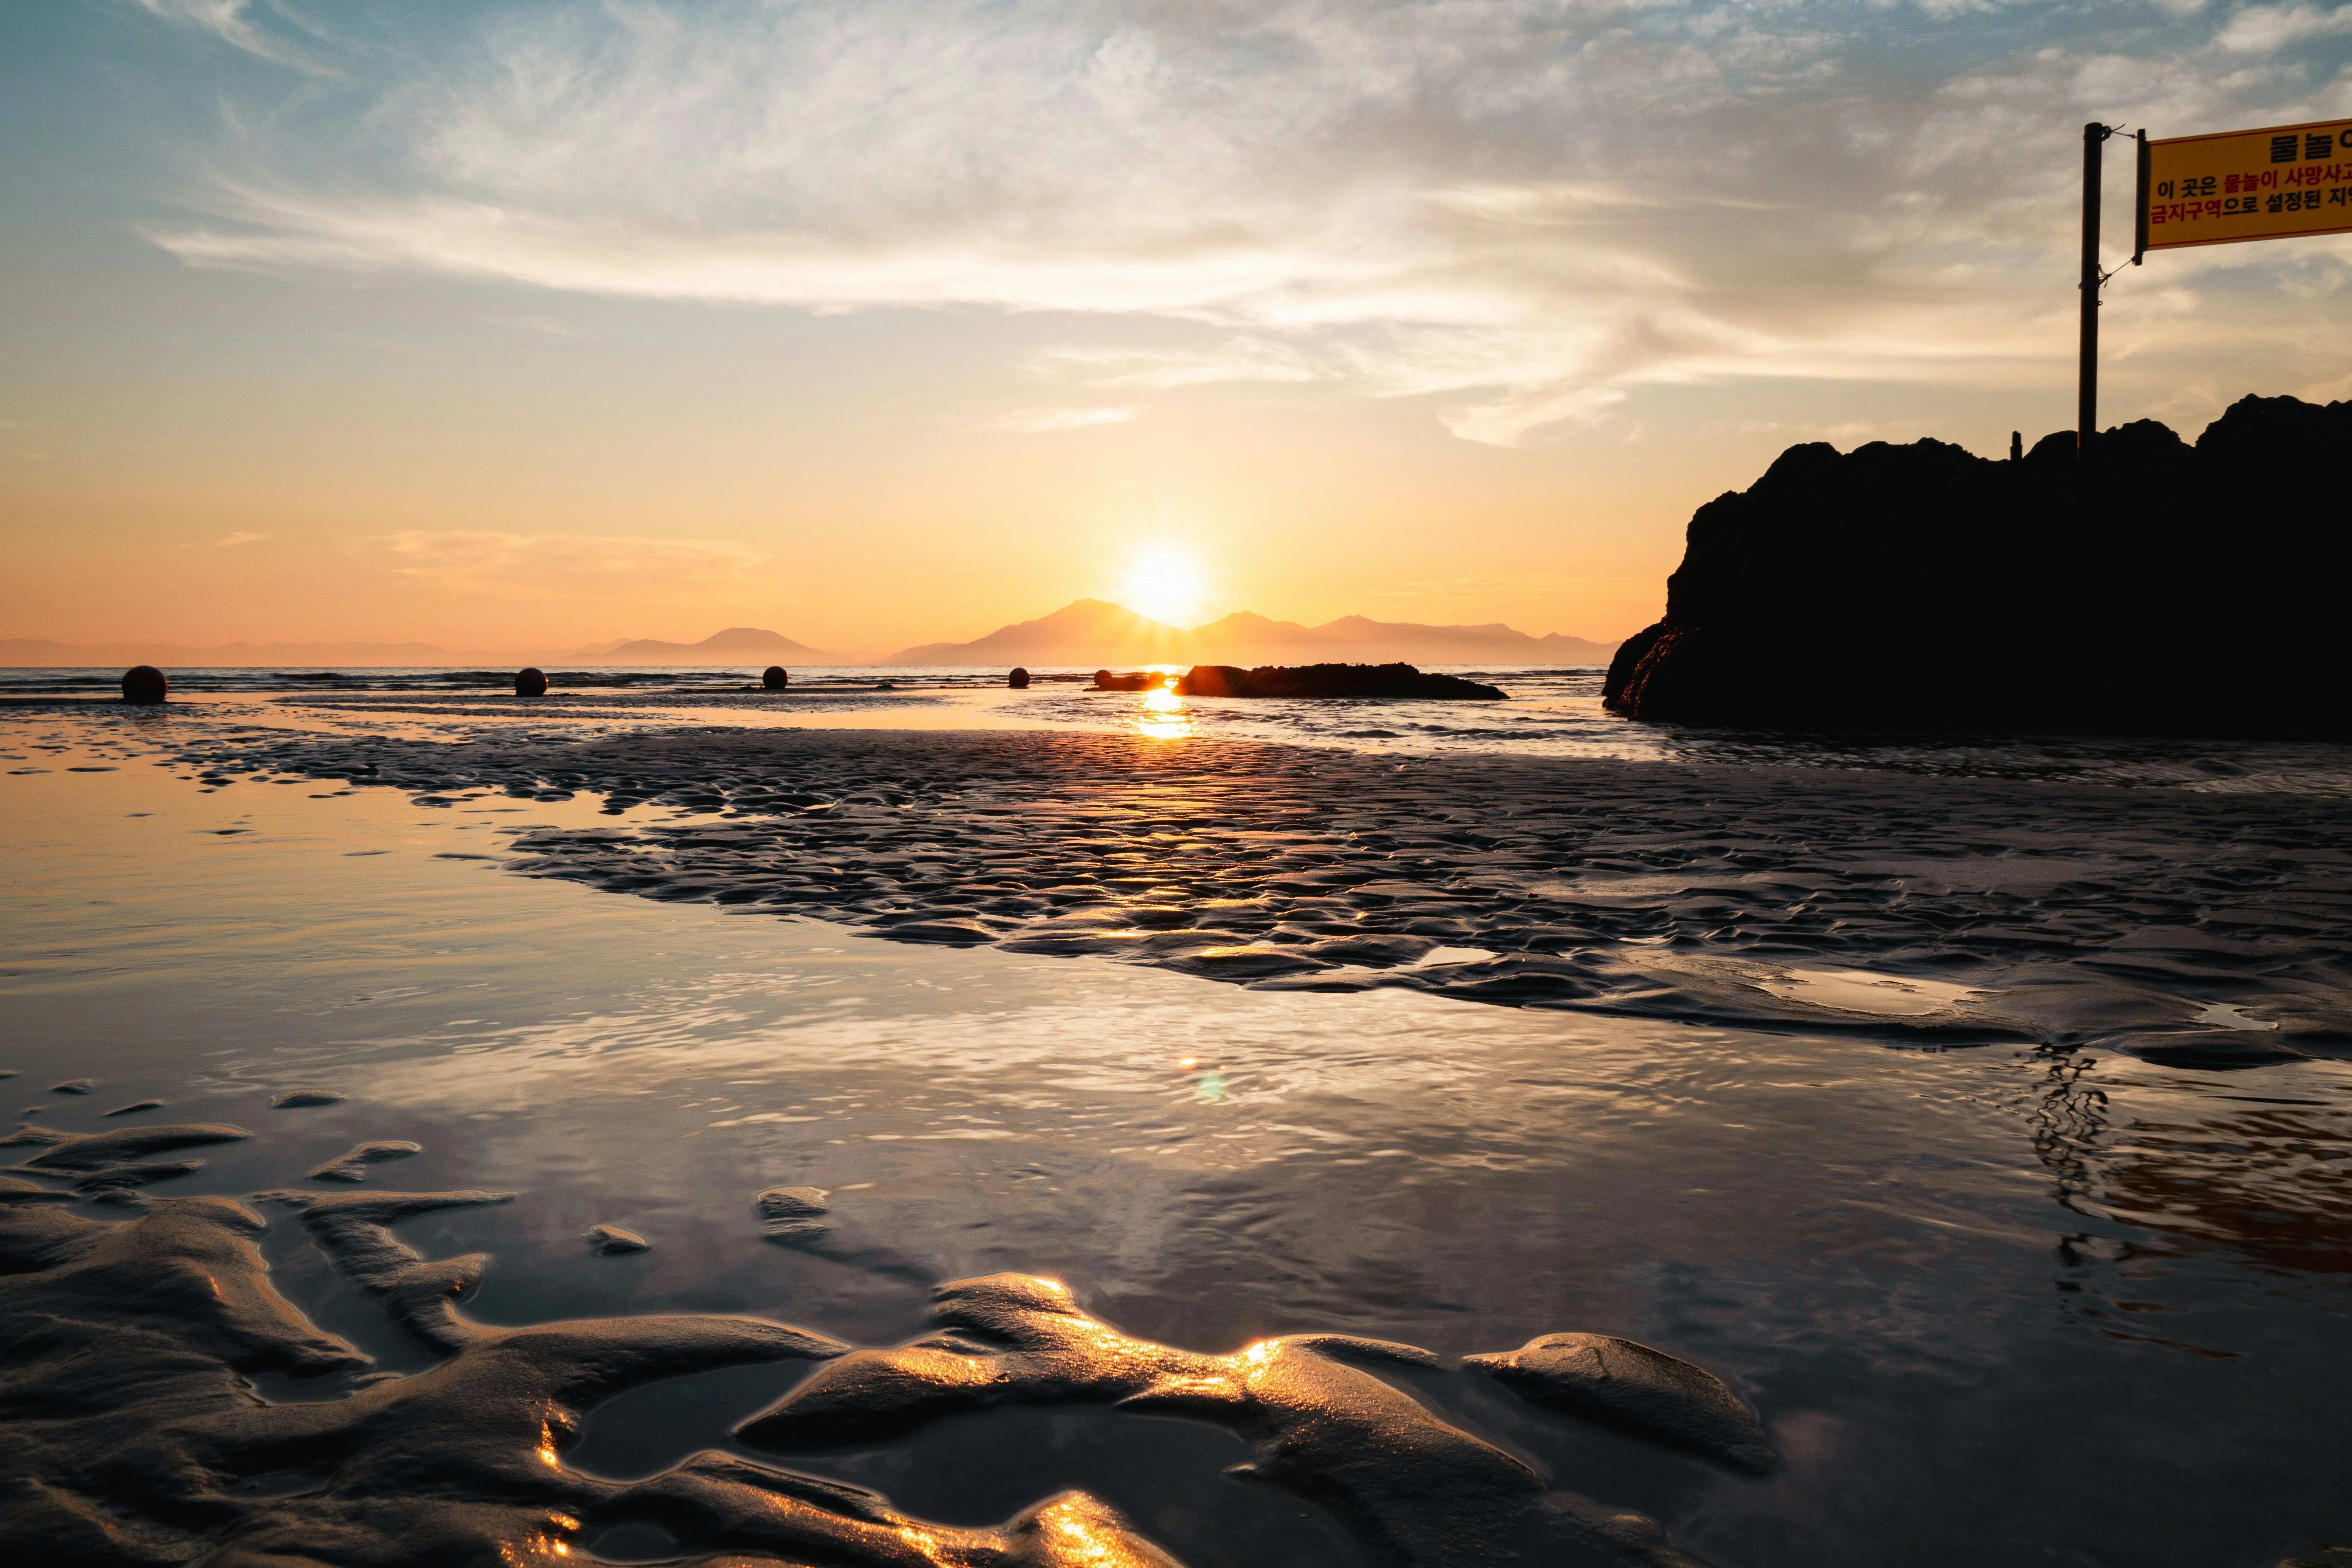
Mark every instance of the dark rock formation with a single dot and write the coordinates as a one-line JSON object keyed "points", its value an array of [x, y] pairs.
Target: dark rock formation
{"points": [[144, 683], [774, 678], [1329, 680], [1921, 587], [531, 682], [1018, 679], [1135, 680]]}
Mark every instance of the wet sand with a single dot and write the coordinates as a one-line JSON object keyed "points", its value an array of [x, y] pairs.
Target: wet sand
{"points": [[2196, 928], [2026, 1299]]}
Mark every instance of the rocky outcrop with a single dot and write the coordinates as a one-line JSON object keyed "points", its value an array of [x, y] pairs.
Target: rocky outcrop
{"points": [[1922, 587], [1330, 681]]}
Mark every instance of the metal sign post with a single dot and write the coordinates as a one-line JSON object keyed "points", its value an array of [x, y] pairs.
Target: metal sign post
{"points": [[2278, 183], [2086, 385]]}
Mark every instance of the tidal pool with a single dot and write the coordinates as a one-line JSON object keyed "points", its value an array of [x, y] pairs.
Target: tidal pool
{"points": [[1995, 1304]]}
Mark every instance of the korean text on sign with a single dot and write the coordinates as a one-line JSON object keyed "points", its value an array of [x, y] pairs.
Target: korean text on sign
{"points": [[2272, 183]]}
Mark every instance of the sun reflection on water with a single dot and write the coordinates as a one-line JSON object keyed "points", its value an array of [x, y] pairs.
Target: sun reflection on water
{"points": [[1162, 717]]}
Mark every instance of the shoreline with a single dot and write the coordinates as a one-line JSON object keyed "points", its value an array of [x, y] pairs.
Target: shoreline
{"points": [[2187, 927]]}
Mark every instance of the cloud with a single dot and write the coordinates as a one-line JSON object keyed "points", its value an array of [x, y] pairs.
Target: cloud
{"points": [[1042, 421], [228, 20], [229, 541], [2261, 29], [1521, 209], [560, 565]]}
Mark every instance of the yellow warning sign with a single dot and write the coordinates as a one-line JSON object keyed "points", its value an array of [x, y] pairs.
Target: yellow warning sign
{"points": [[2274, 183]]}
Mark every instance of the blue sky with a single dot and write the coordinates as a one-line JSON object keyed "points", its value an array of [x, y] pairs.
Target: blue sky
{"points": [[1445, 311]]}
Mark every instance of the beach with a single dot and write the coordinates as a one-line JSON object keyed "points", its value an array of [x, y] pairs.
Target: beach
{"points": [[1982, 1134]]}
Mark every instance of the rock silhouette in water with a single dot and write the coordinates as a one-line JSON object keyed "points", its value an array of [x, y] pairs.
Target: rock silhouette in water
{"points": [[531, 682], [1330, 681], [775, 679], [1134, 680], [144, 683], [1630, 1386], [1019, 679], [2146, 587]]}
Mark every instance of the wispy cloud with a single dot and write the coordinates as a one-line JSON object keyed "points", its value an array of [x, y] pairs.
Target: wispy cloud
{"points": [[1519, 208], [560, 565], [1043, 421], [2259, 30], [232, 21], [230, 540]]}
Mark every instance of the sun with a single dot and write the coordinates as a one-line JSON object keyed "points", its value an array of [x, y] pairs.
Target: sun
{"points": [[1164, 582]]}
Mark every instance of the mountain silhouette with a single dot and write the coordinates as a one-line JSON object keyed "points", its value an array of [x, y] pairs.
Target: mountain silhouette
{"points": [[736, 645], [1091, 631]]}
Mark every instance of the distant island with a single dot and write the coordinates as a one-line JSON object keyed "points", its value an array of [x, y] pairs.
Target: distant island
{"points": [[1389, 680], [1090, 631], [2148, 587], [736, 645]]}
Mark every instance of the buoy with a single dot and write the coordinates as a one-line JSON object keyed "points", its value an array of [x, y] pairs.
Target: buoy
{"points": [[531, 682], [144, 683], [774, 678], [1018, 679]]}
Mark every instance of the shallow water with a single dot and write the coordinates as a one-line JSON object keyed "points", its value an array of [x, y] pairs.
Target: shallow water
{"points": [[1993, 1304], [1553, 711]]}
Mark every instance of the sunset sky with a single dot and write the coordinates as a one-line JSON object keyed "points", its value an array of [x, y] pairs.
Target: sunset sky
{"points": [[515, 324]]}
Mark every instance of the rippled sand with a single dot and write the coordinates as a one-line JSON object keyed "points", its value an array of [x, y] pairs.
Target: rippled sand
{"points": [[1909, 908], [1106, 1232]]}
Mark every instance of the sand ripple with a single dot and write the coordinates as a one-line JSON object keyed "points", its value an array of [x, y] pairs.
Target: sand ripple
{"points": [[133, 1434], [1912, 910]]}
